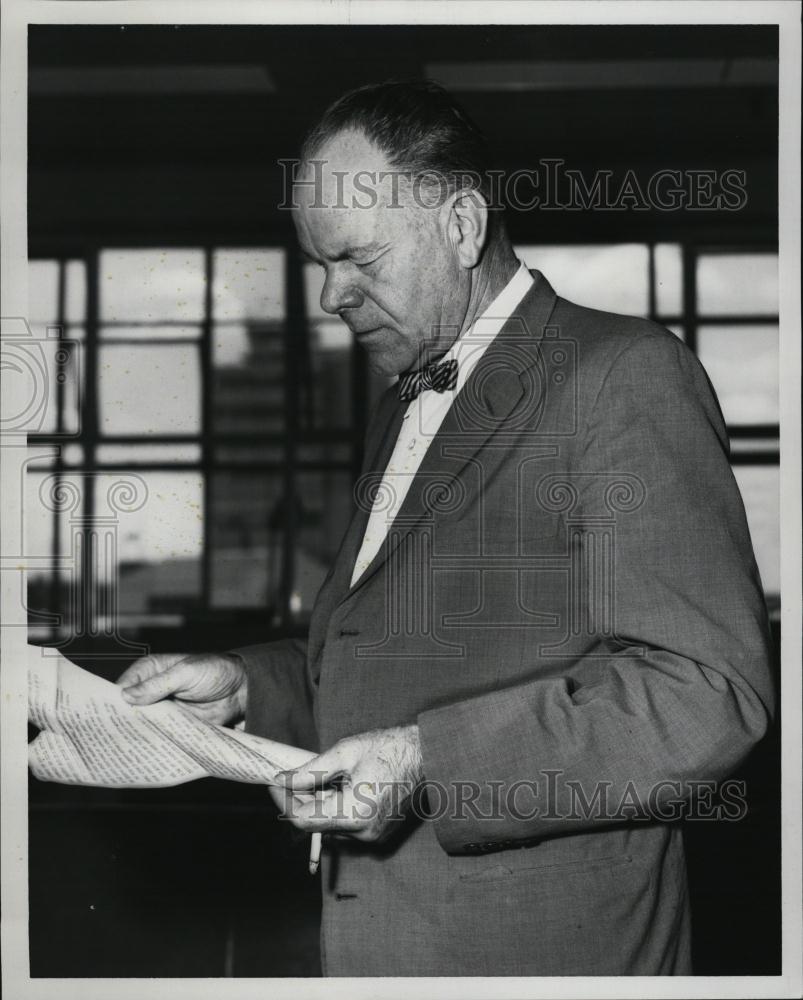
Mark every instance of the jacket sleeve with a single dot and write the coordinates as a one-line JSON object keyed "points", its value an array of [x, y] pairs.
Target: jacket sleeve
{"points": [[683, 691], [279, 700]]}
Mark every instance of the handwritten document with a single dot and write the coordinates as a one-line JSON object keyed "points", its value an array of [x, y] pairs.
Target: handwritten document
{"points": [[92, 736]]}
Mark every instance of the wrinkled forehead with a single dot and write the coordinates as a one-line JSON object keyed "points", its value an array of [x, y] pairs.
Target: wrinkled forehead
{"points": [[331, 225], [349, 194]]}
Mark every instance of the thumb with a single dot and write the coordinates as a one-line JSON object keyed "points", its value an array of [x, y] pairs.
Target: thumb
{"points": [[157, 687], [316, 773], [148, 666]]}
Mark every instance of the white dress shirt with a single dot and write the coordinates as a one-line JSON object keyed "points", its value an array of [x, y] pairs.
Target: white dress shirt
{"points": [[426, 413]]}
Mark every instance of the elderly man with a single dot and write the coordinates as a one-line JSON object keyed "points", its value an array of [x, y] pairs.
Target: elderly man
{"points": [[544, 624]]}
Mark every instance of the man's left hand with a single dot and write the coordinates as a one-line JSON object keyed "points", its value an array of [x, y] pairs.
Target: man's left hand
{"points": [[360, 787]]}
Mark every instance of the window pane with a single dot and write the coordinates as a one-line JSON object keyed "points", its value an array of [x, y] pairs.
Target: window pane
{"points": [[43, 291], [330, 392], [155, 522], [48, 498], [72, 454], [149, 333], [249, 284], [741, 446], [249, 375], [330, 342], [760, 488], [248, 452], [123, 454], [328, 401], [250, 519], [602, 277], [668, 279], [151, 285], [742, 363], [331, 336], [249, 378], [315, 453], [149, 390], [75, 293], [246, 539], [73, 372], [160, 544], [737, 284]]}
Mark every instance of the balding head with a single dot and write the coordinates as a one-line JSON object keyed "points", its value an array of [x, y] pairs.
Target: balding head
{"points": [[395, 216]]}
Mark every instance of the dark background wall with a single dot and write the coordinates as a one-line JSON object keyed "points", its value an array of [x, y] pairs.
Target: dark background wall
{"points": [[143, 161], [164, 136]]}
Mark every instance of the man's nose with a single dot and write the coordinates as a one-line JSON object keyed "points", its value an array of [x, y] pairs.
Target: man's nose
{"points": [[339, 293]]}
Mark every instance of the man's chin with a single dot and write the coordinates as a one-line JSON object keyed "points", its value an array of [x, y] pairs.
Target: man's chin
{"points": [[385, 362]]}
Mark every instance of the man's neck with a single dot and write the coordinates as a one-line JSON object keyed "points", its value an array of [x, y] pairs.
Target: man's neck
{"points": [[488, 280]]}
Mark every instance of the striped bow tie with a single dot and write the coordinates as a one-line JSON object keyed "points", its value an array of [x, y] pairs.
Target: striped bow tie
{"points": [[440, 376]]}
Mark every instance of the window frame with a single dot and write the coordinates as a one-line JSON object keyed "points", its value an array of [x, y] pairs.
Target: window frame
{"points": [[760, 441], [296, 333]]}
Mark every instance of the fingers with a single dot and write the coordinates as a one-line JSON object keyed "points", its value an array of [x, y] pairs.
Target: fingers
{"points": [[332, 810], [286, 801], [172, 679], [336, 763], [138, 670], [364, 798], [289, 802], [339, 812], [329, 812], [147, 666], [281, 799]]}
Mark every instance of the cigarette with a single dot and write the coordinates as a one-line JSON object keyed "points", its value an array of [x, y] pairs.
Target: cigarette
{"points": [[315, 853]]}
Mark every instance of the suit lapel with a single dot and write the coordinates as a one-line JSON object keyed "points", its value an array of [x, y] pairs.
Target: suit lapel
{"points": [[377, 455], [500, 382]]}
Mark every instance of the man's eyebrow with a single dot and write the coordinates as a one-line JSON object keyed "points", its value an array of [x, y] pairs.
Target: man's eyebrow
{"points": [[353, 251]]}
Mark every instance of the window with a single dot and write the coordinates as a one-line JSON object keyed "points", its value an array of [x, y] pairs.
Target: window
{"points": [[723, 301], [208, 417], [214, 440], [735, 334]]}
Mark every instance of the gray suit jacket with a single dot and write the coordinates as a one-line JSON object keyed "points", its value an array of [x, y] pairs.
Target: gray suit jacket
{"points": [[569, 607]]}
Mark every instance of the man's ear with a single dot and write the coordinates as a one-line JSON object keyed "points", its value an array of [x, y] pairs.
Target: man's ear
{"points": [[467, 225]]}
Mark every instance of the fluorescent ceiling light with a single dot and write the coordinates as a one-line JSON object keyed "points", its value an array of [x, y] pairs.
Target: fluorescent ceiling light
{"points": [[215, 78], [598, 74]]}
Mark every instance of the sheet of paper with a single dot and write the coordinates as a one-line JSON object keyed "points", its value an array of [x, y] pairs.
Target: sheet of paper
{"points": [[92, 736]]}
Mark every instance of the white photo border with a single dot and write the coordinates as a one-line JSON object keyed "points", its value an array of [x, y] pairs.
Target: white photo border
{"points": [[16, 15]]}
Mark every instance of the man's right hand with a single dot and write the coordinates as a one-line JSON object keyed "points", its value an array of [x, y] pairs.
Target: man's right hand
{"points": [[213, 686]]}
